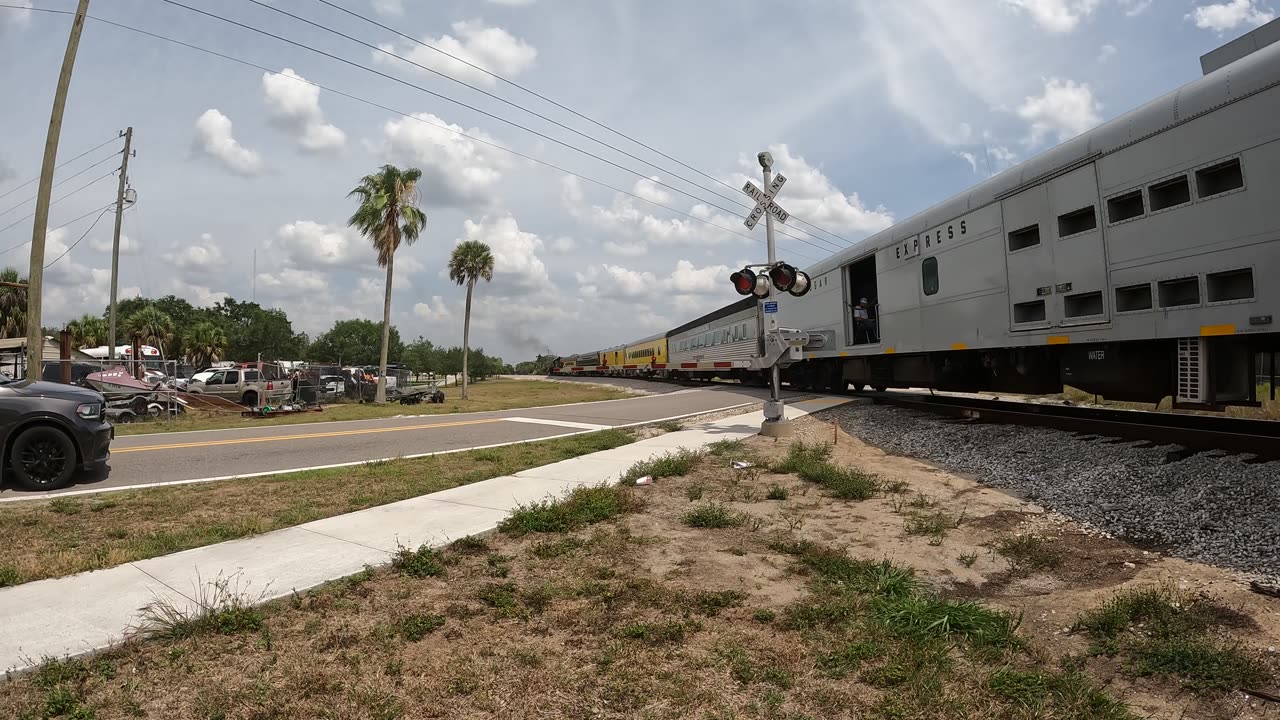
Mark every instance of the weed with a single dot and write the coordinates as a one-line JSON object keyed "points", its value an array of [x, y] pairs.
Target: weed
{"points": [[469, 545], [776, 492], [582, 506], [53, 672], [842, 483], [926, 618], [670, 426], [694, 492], [936, 523], [488, 455], [836, 569], [968, 559], [496, 565], [104, 504], [922, 502], [778, 676], [538, 598], [843, 661], [658, 633], [838, 611], [415, 627], [896, 487], [423, 562], [527, 657], [794, 522], [65, 506], [1027, 553], [501, 597], [897, 505], [548, 549], [712, 515], [218, 608], [710, 603], [725, 447], [671, 464], [1070, 692], [9, 576], [117, 533], [802, 455], [764, 616], [1202, 664], [748, 495]]}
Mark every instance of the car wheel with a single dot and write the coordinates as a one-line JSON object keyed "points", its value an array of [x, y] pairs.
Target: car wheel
{"points": [[43, 458], [251, 399]]}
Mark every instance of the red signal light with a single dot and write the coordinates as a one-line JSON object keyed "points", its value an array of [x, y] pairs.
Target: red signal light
{"points": [[783, 276], [744, 281]]}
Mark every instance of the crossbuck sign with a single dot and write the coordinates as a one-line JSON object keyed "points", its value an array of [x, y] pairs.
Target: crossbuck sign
{"points": [[764, 201]]}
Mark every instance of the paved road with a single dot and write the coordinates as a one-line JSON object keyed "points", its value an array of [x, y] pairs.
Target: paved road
{"points": [[168, 458]]}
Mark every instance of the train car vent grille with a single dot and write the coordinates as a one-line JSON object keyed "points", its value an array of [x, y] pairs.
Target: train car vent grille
{"points": [[1192, 370]]}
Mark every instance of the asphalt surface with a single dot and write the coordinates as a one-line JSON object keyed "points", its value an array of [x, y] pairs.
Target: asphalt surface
{"points": [[171, 458]]}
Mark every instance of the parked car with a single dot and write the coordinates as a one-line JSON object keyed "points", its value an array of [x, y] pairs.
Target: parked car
{"points": [[49, 431], [245, 386]]}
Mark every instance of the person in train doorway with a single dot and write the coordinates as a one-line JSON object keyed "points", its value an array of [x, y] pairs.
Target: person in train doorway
{"points": [[864, 324]]}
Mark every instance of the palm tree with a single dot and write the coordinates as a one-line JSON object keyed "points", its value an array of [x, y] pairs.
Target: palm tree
{"points": [[387, 215], [13, 305], [206, 343], [470, 261], [151, 325], [88, 331]]}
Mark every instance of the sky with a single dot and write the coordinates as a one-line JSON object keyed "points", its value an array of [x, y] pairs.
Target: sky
{"points": [[873, 109]]}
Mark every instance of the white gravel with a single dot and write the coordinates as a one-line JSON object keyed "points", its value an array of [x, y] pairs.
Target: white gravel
{"points": [[1209, 507]]}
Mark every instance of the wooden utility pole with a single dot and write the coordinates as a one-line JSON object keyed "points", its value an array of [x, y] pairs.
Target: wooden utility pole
{"points": [[35, 277], [115, 244]]}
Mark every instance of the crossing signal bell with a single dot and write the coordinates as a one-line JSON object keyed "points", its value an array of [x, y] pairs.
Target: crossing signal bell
{"points": [[782, 276]]}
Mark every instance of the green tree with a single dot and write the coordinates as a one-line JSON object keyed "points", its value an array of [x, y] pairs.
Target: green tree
{"points": [[470, 262], [205, 344], [387, 215], [540, 365], [252, 330], [420, 356], [88, 331], [152, 326], [13, 305], [355, 342]]}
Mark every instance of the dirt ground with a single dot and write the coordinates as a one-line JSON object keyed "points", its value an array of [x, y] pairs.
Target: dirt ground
{"points": [[646, 616]]}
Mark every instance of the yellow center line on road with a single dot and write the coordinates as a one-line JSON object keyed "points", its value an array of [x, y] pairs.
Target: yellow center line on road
{"points": [[305, 436]]}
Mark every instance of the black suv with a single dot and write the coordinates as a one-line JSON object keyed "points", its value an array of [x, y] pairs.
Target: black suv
{"points": [[48, 431]]}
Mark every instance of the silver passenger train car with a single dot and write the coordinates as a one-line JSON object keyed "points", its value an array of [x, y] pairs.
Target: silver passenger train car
{"points": [[1131, 261]]}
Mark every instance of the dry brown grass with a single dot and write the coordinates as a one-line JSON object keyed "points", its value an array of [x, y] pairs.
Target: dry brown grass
{"points": [[70, 535], [640, 616], [492, 394]]}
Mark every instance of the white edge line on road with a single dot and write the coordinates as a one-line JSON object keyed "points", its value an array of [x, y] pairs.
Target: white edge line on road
{"points": [[635, 396], [559, 423], [145, 486]]}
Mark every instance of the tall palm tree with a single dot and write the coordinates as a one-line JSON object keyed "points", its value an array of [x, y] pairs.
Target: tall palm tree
{"points": [[387, 215], [13, 305], [152, 325], [470, 261], [206, 343], [88, 331]]}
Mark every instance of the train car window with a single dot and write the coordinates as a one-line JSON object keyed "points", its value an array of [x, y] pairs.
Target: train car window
{"points": [[1170, 193], [1125, 207], [1230, 285], [1133, 298], [1082, 304], [1029, 312], [929, 275], [1179, 292], [1024, 238], [1220, 178], [1078, 221]]}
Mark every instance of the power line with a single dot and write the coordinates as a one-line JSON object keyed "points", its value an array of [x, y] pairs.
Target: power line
{"points": [[544, 98], [62, 181], [59, 166], [55, 202], [473, 108], [82, 237], [410, 116], [69, 222], [735, 199]]}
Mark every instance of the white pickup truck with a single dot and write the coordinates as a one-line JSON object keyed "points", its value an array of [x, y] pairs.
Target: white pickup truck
{"points": [[243, 385]]}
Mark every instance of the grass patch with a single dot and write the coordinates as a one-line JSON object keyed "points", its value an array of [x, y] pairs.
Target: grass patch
{"points": [[470, 545], [720, 448], [776, 492], [492, 394], [42, 542], [1165, 632], [65, 506], [671, 464], [423, 562], [670, 426], [415, 627], [1027, 553], [710, 603], [582, 506], [713, 516], [803, 455], [812, 463], [549, 549], [934, 524], [668, 633], [1069, 693], [218, 608], [695, 492]]}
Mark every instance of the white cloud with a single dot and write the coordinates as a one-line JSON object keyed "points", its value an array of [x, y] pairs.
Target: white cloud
{"points": [[72, 289], [517, 269], [615, 281], [563, 245], [491, 48], [389, 8], [1002, 158], [200, 257], [456, 171], [214, 138], [1106, 52], [687, 279], [1056, 15], [293, 283], [1065, 109], [649, 189], [295, 107], [1133, 8], [969, 158], [1221, 17], [128, 246], [512, 3], [434, 311], [311, 245]]}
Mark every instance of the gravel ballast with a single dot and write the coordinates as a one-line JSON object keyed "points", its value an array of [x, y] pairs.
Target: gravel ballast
{"points": [[1209, 507]]}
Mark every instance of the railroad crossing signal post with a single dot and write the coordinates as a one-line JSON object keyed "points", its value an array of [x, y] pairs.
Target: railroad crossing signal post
{"points": [[775, 421]]}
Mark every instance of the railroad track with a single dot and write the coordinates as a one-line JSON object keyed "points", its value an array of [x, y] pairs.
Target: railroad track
{"points": [[1194, 433]]}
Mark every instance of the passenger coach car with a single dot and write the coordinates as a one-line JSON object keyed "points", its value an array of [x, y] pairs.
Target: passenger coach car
{"points": [[1137, 261]]}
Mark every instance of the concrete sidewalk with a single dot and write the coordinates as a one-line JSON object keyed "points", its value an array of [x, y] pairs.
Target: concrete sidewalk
{"points": [[92, 610]]}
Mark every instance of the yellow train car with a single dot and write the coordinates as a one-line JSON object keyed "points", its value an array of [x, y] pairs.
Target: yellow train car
{"points": [[613, 358], [640, 356]]}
